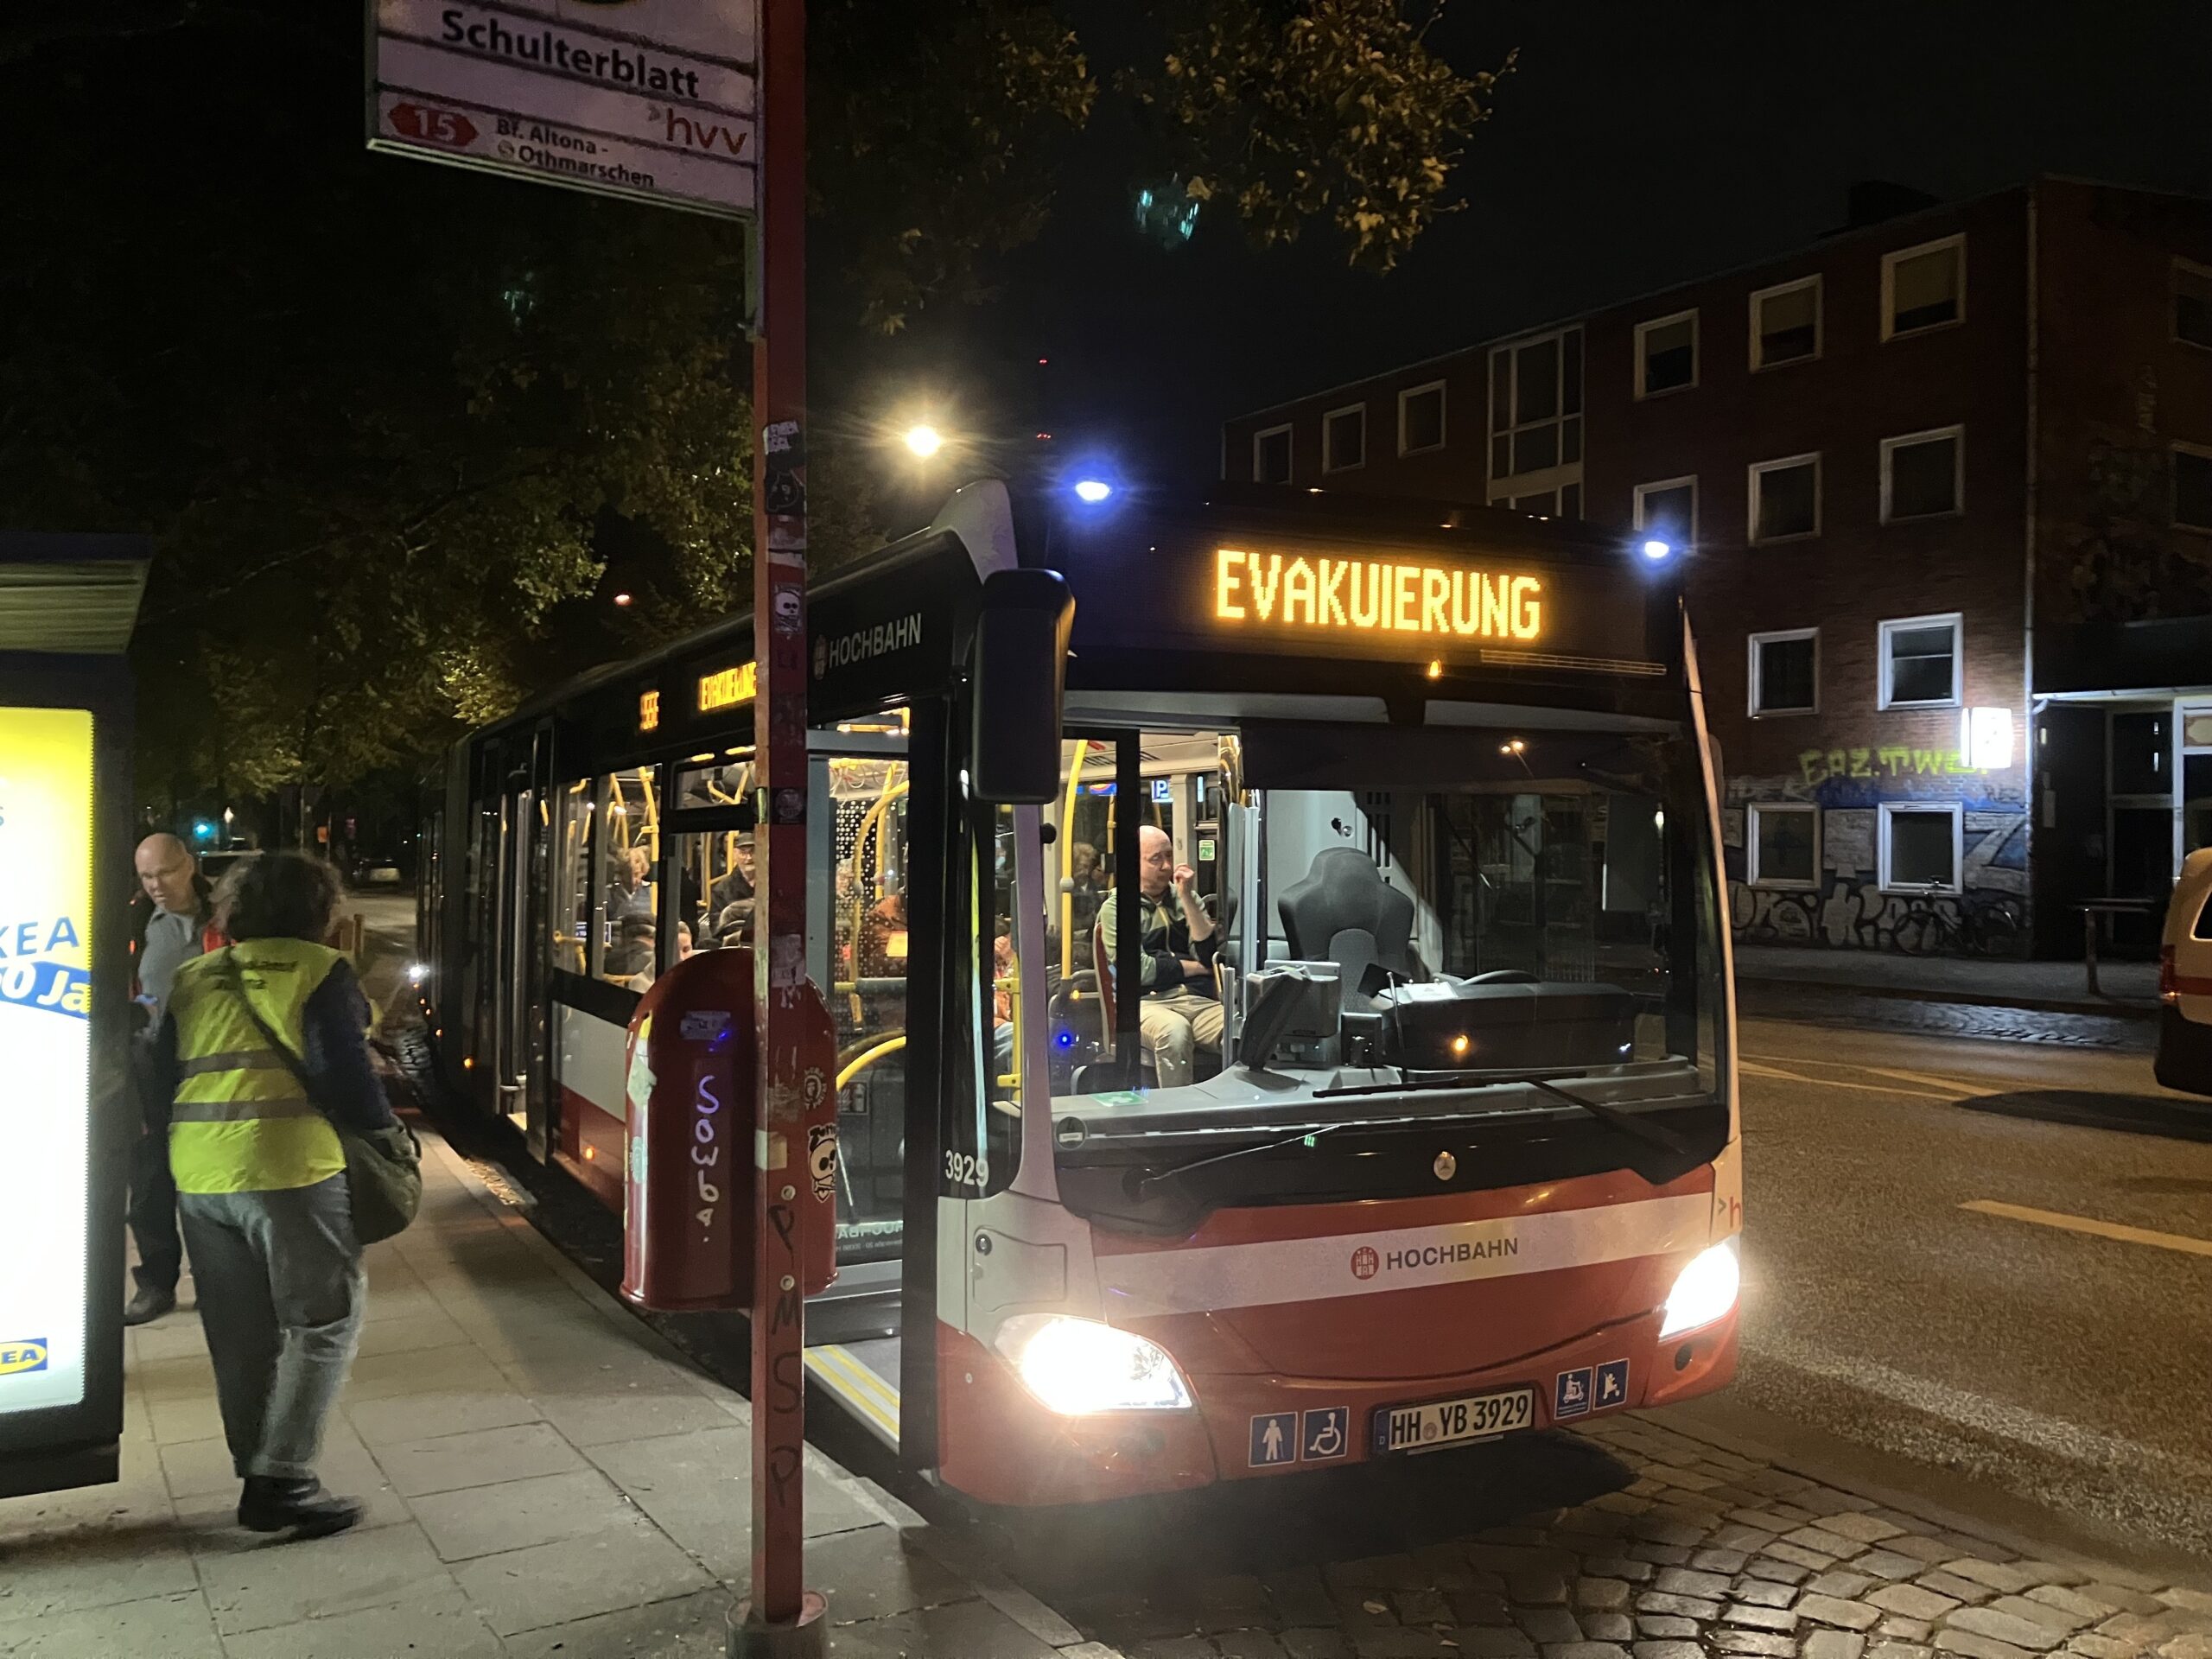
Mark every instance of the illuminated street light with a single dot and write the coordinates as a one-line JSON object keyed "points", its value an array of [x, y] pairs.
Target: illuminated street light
{"points": [[1093, 490], [1654, 549], [925, 439], [622, 599]]}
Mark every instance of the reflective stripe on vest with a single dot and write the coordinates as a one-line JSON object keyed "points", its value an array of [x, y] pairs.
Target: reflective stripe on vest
{"points": [[240, 1121]]}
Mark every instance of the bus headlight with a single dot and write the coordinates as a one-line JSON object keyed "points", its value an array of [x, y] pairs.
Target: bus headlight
{"points": [[1078, 1366], [1704, 1291]]}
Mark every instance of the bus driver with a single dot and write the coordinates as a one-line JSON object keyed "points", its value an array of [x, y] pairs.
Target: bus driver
{"points": [[1179, 1011]]}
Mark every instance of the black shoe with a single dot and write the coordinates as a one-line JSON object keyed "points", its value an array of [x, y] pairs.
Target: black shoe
{"points": [[271, 1504], [148, 1305]]}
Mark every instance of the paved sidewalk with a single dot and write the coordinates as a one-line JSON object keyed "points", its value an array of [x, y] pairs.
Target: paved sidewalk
{"points": [[2130, 988], [544, 1477]]}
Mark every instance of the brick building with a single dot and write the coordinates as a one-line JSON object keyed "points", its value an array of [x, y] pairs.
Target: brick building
{"points": [[1946, 475]]}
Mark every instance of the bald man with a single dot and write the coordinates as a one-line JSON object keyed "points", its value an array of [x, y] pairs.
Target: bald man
{"points": [[1178, 1012], [176, 923]]}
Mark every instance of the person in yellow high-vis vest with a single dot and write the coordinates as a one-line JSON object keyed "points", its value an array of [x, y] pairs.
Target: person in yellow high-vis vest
{"points": [[264, 1045]]}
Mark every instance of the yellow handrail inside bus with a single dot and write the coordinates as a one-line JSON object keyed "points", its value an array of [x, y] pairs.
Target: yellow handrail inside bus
{"points": [[1067, 859], [867, 1058], [879, 817]]}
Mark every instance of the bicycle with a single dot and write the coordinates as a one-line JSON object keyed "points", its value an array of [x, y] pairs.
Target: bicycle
{"points": [[1990, 928]]}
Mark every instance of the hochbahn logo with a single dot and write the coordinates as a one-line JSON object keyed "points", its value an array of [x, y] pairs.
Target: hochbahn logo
{"points": [[863, 644], [1366, 1262]]}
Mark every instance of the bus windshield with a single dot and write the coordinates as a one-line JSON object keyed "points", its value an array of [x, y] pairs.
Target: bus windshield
{"points": [[1340, 925]]}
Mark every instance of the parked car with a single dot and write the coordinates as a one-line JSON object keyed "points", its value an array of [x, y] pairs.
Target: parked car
{"points": [[376, 872], [2185, 981]]}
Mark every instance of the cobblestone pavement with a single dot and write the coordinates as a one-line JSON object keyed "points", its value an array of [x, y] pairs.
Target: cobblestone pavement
{"points": [[1701, 1551], [1821, 1006]]}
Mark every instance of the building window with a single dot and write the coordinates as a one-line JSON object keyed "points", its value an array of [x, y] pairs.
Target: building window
{"points": [[1783, 845], [1666, 354], [1669, 508], [1924, 474], [1786, 672], [1271, 455], [1535, 422], [1923, 287], [1786, 324], [1421, 418], [1344, 439], [2192, 487], [1785, 498], [1920, 661], [1920, 847], [2192, 303]]}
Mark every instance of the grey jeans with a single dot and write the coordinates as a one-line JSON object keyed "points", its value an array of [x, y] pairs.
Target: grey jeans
{"points": [[281, 1293]]}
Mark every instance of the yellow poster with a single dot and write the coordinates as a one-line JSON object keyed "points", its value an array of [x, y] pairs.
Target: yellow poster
{"points": [[46, 932]]}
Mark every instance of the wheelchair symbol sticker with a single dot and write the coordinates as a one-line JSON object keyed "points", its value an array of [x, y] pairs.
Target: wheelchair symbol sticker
{"points": [[1324, 1434]]}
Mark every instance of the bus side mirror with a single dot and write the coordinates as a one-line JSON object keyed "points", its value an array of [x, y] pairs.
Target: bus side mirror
{"points": [[1019, 676]]}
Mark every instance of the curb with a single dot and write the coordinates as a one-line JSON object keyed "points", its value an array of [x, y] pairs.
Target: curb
{"points": [[2102, 1010]]}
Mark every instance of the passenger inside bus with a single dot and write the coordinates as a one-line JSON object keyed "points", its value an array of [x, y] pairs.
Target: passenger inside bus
{"points": [[630, 893], [633, 952], [1179, 1011], [651, 971]]}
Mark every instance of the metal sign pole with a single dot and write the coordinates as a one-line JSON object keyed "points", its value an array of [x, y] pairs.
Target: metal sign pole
{"points": [[782, 1617]]}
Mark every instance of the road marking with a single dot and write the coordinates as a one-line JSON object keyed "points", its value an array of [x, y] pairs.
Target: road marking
{"points": [[2180, 1241], [1977, 1413], [1744, 1062]]}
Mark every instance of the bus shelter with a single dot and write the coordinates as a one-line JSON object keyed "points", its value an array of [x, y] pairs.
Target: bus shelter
{"points": [[67, 606]]}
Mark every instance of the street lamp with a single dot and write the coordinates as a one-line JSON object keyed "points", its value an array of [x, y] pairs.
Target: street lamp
{"points": [[924, 440]]}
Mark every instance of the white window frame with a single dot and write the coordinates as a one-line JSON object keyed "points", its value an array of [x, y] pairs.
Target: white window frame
{"points": [[1329, 462], [1506, 486], [2173, 292], [1753, 876], [1696, 353], [1957, 813], [1776, 637], [2173, 507], [1261, 437], [1820, 322], [1443, 417], [1890, 262], [1642, 489], [1891, 446], [1758, 470], [1887, 630]]}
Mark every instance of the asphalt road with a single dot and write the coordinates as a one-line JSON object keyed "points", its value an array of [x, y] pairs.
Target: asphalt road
{"points": [[2071, 1368]]}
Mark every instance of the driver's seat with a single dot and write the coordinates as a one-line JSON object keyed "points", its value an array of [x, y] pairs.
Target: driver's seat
{"points": [[1343, 912]]}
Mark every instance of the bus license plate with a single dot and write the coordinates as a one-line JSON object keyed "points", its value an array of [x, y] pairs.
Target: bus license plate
{"points": [[1453, 1422]]}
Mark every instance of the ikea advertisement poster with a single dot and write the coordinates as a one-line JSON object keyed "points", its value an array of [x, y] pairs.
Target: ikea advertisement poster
{"points": [[45, 896]]}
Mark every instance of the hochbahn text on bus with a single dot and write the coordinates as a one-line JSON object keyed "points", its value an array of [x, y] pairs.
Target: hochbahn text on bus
{"points": [[1341, 1067]]}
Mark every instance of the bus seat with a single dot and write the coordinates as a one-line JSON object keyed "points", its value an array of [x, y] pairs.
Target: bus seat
{"points": [[1345, 912], [1100, 954]]}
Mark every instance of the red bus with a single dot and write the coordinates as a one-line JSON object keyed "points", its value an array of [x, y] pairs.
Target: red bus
{"points": [[1341, 1068]]}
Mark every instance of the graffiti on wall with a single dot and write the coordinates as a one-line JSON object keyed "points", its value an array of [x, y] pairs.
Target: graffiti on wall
{"points": [[1819, 766], [1847, 908]]}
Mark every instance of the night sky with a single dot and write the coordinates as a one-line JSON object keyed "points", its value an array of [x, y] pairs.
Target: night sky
{"points": [[1630, 151]]}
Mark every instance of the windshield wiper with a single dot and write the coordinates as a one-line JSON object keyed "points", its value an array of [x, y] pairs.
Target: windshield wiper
{"points": [[1633, 1124], [1304, 1136]]}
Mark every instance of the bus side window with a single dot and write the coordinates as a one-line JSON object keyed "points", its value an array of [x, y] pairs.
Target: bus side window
{"points": [[628, 900], [573, 813]]}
